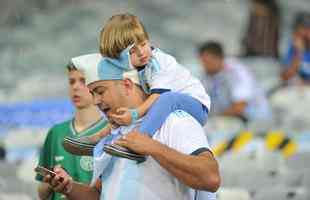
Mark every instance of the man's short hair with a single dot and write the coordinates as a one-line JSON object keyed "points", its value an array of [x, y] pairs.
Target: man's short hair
{"points": [[212, 47], [302, 19], [71, 67]]}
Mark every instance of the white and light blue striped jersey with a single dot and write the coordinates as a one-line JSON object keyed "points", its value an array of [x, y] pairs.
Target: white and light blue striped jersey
{"points": [[124, 179]]}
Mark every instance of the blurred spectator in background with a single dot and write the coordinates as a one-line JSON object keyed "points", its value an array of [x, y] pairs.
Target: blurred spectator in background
{"points": [[296, 63], [262, 34], [87, 121], [233, 89], [2, 152]]}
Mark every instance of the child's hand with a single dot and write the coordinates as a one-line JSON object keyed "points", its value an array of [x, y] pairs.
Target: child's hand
{"points": [[123, 116]]}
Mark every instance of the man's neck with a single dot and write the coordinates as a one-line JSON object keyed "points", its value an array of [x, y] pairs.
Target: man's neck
{"points": [[86, 117], [138, 97]]}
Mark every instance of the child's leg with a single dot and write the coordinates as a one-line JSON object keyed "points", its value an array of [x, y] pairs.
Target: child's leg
{"points": [[167, 103]]}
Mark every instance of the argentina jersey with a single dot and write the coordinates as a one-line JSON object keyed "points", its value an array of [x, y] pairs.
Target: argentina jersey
{"points": [[126, 179]]}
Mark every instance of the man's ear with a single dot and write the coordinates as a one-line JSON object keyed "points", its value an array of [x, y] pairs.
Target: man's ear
{"points": [[128, 85]]}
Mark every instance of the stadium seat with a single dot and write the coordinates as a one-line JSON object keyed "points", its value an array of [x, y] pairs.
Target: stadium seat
{"points": [[281, 193], [299, 161], [233, 194]]}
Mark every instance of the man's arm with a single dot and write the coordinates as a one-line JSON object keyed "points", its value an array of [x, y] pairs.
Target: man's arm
{"points": [[292, 70], [81, 192], [294, 58], [197, 171]]}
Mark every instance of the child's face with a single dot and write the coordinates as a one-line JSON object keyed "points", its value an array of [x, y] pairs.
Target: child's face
{"points": [[140, 54]]}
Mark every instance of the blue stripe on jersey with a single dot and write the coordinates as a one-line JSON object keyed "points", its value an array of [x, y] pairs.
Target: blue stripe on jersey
{"points": [[106, 184], [130, 181]]}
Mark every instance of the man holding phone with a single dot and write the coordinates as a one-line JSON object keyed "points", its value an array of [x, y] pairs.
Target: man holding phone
{"points": [[178, 166], [87, 120]]}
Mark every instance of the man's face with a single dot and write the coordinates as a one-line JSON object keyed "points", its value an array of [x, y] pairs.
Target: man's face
{"points": [[303, 33], [211, 63], [140, 54], [108, 96], [78, 92]]}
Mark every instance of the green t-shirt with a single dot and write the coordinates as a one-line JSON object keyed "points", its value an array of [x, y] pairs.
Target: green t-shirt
{"points": [[52, 154]]}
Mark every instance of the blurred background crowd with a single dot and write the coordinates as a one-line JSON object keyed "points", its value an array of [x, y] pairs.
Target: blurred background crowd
{"points": [[253, 56]]}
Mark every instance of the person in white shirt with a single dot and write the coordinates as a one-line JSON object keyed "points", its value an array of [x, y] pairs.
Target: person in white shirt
{"points": [[232, 88], [179, 165]]}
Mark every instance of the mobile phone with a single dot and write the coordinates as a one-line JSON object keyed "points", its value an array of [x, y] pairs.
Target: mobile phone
{"points": [[43, 171]]}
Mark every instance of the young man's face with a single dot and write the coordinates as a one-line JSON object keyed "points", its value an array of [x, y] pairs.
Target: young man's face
{"points": [[211, 63], [303, 33], [108, 96], [79, 93], [140, 54]]}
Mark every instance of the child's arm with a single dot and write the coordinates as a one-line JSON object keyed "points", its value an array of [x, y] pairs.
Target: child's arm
{"points": [[124, 117], [147, 104]]}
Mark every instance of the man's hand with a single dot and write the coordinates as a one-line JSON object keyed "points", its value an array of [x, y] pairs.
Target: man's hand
{"points": [[61, 182], [123, 116], [139, 143]]}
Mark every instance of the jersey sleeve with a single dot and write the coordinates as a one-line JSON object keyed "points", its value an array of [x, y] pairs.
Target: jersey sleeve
{"points": [[45, 155], [184, 134]]}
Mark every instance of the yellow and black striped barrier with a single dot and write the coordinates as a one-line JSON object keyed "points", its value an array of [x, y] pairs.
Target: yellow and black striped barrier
{"points": [[278, 141], [274, 141], [234, 144]]}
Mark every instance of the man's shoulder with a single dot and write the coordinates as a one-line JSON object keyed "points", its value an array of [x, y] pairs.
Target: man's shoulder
{"points": [[182, 132], [234, 65], [181, 120], [180, 115], [236, 69]]}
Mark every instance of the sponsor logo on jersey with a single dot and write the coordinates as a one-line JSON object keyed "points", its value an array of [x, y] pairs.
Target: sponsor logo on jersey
{"points": [[58, 158], [86, 163]]}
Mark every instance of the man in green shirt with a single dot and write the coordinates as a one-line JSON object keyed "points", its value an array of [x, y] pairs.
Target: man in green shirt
{"points": [[87, 121]]}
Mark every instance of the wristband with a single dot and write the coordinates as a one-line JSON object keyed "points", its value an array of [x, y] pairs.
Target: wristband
{"points": [[134, 115]]}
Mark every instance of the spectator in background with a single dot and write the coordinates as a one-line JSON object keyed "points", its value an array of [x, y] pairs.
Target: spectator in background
{"points": [[87, 120], [296, 63], [2, 152], [262, 34], [233, 89]]}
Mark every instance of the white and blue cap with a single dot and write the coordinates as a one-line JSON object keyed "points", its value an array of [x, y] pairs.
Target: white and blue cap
{"points": [[87, 64], [97, 68]]}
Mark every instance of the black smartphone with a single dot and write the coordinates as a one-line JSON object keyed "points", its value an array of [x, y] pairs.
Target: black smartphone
{"points": [[43, 171]]}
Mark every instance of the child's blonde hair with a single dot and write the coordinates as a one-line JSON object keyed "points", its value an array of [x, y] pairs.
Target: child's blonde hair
{"points": [[119, 32]]}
